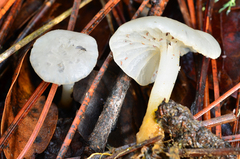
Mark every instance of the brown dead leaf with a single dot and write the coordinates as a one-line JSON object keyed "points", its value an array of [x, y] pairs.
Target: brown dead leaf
{"points": [[18, 94], [230, 33]]}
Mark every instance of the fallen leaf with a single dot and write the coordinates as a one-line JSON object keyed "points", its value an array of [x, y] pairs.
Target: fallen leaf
{"points": [[21, 89], [230, 33]]}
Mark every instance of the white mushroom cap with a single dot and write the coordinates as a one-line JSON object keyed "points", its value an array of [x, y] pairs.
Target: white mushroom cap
{"points": [[64, 57], [136, 45]]}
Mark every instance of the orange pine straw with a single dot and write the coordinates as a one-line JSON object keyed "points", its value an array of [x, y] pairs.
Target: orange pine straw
{"points": [[185, 13], [199, 14], [6, 7], [40, 120], [22, 113], [206, 102], [99, 16], [227, 118], [158, 7], [5, 28], [220, 99], [73, 17], [117, 18], [235, 125], [235, 130], [216, 95], [192, 13], [140, 9]]}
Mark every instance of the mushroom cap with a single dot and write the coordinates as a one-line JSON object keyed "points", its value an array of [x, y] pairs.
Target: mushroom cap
{"points": [[64, 57], [136, 45]]}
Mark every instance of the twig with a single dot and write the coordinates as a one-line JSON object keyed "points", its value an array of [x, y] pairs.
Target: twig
{"points": [[109, 115], [37, 33], [221, 98]]}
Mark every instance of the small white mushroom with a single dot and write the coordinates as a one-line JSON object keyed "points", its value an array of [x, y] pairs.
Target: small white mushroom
{"points": [[64, 57], [148, 49]]}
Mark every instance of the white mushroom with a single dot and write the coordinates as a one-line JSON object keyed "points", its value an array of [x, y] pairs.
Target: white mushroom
{"points": [[64, 57], [148, 49]]}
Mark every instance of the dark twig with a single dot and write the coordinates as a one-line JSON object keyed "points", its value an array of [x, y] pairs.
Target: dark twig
{"points": [[109, 115]]}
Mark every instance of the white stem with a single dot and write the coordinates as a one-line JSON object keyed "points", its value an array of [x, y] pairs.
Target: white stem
{"points": [[167, 74], [66, 98], [166, 77]]}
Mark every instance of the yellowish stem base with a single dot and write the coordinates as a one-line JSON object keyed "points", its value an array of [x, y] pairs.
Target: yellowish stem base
{"points": [[149, 129]]}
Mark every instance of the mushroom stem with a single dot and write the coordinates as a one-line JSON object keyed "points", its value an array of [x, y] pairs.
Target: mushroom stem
{"points": [[66, 98], [167, 74]]}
